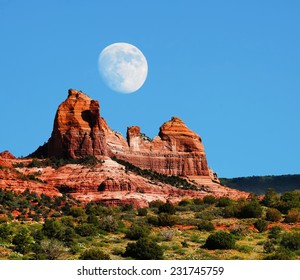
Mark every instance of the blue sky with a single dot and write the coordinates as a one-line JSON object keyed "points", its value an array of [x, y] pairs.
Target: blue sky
{"points": [[229, 69]]}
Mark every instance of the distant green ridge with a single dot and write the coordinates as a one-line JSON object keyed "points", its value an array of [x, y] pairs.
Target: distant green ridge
{"points": [[259, 184]]}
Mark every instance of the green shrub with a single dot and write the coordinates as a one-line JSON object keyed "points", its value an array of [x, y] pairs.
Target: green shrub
{"points": [[86, 230], [6, 232], [209, 199], [220, 240], [167, 208], [251, 209], [269, 247], [223, 202], [155, 203], [94, 254], [109, 224], [144, 249], [142, 211], [153, 220], [77, 212], [273, 215], [52, 228], [293, 216], [271, 198], [197, 201], [184, 202], [206, 226], [274, 232], [22, 241], [165, 219], [136, 232], [281, 254], [291, 241], [230, 211], [261, 225]]}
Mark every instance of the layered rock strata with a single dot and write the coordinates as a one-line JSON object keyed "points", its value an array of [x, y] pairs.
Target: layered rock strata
{"points": [[77, 131]]}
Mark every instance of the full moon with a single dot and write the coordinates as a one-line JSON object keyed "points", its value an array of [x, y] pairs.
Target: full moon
{"points": [[123, 67]]}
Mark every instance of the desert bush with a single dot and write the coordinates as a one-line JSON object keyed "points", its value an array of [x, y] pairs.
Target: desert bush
{"points": [[108, 223], [165, 219], [52, 228], [273, 215], [209, 199], [142, 211], [220, 240], [205, 226], [86, 229], [137, 231], [197, 201], [239, 231], [261, 225], [223, 202], [288, 201], [274, 233], [6, 232], [269, 246], [77, 212], [4, 220], [144, 249], [167, 208], [167, 235], [184, 202], [49, 250], [23, 241], [94, 254], [271, 198], [155, 203], [293, 216], [281, 254], [291, 241], [153, 220], [251, 209], [230, 211]]}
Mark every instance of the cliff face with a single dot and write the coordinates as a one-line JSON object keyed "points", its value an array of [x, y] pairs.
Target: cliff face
{"points": [[175, 151], [77, 131]]}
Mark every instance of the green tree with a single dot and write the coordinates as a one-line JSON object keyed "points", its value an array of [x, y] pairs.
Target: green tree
{"points": [[23, 241], [52, 228], [271, 198]]}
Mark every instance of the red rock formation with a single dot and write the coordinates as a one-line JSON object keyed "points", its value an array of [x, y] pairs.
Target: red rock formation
{"points": [[107, 182], [7, 155], [77, 131]]}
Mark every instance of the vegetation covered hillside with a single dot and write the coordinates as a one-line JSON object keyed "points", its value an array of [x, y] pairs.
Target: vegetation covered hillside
{"points": [[42, 227], [259, 184]]}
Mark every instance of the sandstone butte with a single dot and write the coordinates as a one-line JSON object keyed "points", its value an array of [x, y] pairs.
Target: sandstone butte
{"points": [[79, 131]]}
